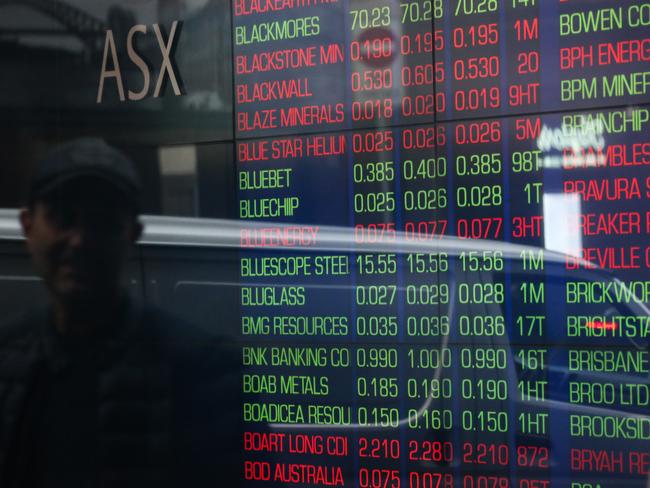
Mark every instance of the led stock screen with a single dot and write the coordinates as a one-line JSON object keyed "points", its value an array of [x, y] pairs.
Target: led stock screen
{"points": [[483, 324]]}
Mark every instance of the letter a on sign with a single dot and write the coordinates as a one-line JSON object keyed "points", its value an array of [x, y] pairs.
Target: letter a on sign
{"points": [[115, 72]]}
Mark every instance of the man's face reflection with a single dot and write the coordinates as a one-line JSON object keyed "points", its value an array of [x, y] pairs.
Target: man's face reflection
{"points": [[79, 236]]}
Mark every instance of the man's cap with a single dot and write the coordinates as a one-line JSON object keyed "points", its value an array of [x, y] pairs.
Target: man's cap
{"points": [[85, 157]]}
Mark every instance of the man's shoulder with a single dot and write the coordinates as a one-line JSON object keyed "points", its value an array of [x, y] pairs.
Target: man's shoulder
{"points": [[170, 329], [22, 329], [19, 345], [186, 341]]}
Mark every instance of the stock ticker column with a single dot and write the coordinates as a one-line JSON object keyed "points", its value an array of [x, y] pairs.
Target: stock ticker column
{"points": [[324, 370], [492, 60], [490, 121], [596, 178], [290, 64]]}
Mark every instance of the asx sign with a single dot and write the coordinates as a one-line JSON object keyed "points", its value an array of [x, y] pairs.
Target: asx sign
{"points": [[166, 70]]}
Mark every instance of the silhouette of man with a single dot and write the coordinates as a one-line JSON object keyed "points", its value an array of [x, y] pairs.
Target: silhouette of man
{"points": [[97, 389]]}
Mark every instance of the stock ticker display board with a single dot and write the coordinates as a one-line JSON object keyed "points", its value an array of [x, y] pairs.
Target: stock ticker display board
{"points": [[443, 271], [484, 322]]}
